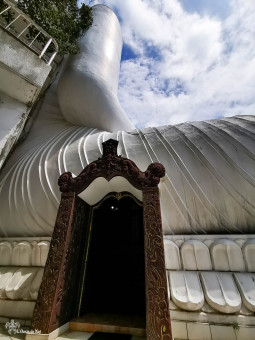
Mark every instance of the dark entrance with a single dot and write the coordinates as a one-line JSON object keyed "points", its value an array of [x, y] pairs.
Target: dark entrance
{"points": [[115, 274]]}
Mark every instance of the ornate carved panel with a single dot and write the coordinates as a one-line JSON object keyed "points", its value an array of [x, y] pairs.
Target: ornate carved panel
{"points": [[109, 166], [57, 300], [157, 309]]}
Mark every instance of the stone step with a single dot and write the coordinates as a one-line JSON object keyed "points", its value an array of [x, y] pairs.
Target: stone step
{"points": [[110, 323]]}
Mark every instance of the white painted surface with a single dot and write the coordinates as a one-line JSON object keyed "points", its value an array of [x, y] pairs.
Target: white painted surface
{"points": [[5, 253], [195, 256], [210, 166], [21, 272], [193, 252], [40, 253], [172, 255], [228, 293], [6, 274], [249, 254], [186, 290], [207, 309], [100, 187], [221, 292], [18, 286], [16, 87], [223, 332], [246, 285], [87, 89], [244, 310], [62, 147], [35, 285], [205, 331], [198, 331], [13, 115], [22, 61], [213, 318], [24, 253], [207, 180], [17, 309], [20, 283], [22, 75], [179, 330], [227, 256], [245, 333]]}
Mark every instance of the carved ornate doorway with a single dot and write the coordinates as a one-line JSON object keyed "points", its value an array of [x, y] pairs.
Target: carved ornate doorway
{"points": [[58, 299]]}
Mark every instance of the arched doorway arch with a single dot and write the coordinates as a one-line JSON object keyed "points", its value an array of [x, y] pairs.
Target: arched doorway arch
{"points": [[57, 299]]}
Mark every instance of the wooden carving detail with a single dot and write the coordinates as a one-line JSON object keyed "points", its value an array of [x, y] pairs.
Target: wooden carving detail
{"points": [[57, 295], [157, 309], [109, 166]]}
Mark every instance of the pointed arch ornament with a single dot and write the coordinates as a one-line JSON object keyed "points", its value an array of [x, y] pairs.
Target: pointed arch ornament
{"points": [[58, 291]]}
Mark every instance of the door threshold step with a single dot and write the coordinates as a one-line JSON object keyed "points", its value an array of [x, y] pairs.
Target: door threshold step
{"points": [[109, 323]]}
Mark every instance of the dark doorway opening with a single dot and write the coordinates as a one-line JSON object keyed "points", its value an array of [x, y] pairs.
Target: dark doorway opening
{"points": [[115, 273]]}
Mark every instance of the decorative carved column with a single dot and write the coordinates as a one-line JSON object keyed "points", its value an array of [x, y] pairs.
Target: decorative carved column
{"points": [[56, 303], [157, 310]]}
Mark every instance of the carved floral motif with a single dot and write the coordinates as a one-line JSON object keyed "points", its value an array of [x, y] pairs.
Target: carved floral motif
{"points": [[56, 301], [157, 309], [109, 166]]}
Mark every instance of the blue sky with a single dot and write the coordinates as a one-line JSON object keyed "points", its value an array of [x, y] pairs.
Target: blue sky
{"points": [[186, 60]]}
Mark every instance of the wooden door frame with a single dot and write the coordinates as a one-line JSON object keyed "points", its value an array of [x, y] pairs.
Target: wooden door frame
{"points": [[58, 291]]}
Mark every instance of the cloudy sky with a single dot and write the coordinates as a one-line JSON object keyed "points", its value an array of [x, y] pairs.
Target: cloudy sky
{"points": [[186, 60]]}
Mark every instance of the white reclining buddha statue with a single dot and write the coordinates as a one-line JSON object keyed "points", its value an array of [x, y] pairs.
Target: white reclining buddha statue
{"points": [[207, 195]]}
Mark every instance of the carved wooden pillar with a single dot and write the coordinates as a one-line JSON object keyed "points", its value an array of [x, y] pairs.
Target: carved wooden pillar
{"points": [[56, 301], [158, 325]]}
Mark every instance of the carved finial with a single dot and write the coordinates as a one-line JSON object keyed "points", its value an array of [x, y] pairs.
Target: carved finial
{"points": [[110, 147], [109, 166]]}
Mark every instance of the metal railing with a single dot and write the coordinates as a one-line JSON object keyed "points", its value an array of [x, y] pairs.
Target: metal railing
{"points": [[21, 25]]}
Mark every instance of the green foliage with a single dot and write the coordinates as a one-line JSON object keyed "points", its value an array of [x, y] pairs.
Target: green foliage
{"points": [[62, 19], [7, 17], [236, 326]]}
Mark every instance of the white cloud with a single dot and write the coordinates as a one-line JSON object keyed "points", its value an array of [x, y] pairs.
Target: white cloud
{"points": [[206, 67]]}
